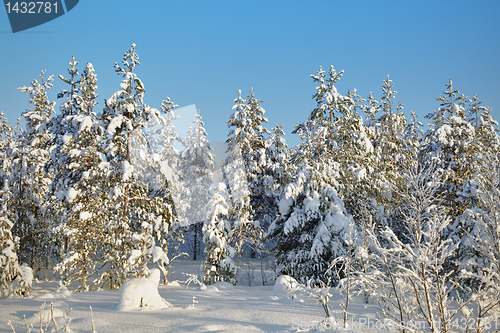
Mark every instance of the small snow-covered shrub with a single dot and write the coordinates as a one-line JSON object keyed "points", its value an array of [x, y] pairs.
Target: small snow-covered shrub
{"points": [[142, 293], [284, 283]]}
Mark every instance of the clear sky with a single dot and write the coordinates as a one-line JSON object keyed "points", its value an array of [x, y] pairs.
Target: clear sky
{"points": [[202, 52]]}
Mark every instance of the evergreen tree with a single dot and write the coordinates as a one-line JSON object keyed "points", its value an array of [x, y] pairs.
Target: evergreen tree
{"points": [[311, 230], [171, 160], [246, 139], [7, 144], [29, 181], [276, 175], [448, 144], [476, 223], [14, 279], [197, 166], [77, 195], [125, 117], [239, 213], [217, 232], [394, 152], [335, 132], [159, 171]]}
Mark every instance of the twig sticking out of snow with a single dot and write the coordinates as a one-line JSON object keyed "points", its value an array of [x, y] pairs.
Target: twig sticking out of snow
{"points": [[46, 321], [194, 302], [320, 292], [10, 324], [193, 278], [92, 321]]}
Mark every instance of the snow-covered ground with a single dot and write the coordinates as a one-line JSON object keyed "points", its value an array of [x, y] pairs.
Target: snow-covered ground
{"points": [[222, 308]]}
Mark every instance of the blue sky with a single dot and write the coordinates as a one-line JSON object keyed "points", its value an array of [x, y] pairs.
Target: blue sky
{"points": [[202, 52]]}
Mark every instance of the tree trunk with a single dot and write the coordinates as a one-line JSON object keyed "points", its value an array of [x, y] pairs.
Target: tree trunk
{"points": [[195, 227]]}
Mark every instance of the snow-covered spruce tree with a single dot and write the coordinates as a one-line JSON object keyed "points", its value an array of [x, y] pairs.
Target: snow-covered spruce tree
{"points": [[480, 265], [7, 144], [239, 209], [29, 181], [276, 174], [196, 168], [217, 233], [14, 278], [311, 228], [77, 196], [247, 134], [125, 116]]}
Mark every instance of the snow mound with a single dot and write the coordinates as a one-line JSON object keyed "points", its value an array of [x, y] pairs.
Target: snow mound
{"points": [[223, 285], [61, 293], [211, 289], [142, 294], [47, 314], [173, 284], [284, 283]]}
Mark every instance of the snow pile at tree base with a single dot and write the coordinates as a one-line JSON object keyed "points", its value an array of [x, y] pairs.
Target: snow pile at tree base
{"points": [[284, 283], [142, 294]]}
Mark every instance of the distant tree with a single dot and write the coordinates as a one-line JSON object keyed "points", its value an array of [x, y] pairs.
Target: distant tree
{"points": [[196, 169]]}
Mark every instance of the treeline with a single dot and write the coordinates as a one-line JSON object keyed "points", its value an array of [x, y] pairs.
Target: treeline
{"points": [[96, 194]]}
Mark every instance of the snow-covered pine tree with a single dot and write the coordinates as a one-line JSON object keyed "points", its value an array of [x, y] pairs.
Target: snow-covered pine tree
{"points": [[355, 162], [133, 203], [7, 144], [217, 232], [335, 154], [449, 144], [124, 117], [335, 133], [196, 168], [467, 228], [76, 192], [14, 279], [29, 181], [479, 257], [387, 131]]}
